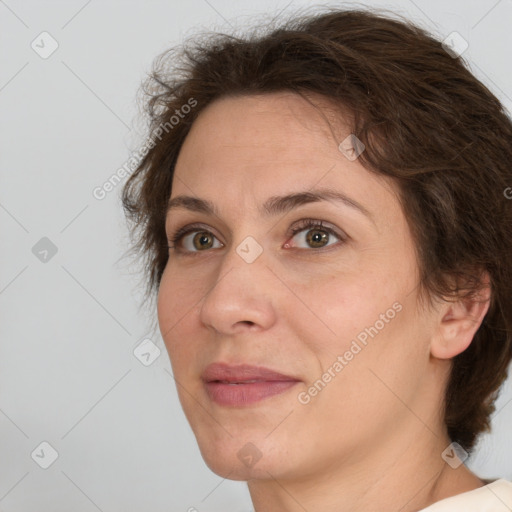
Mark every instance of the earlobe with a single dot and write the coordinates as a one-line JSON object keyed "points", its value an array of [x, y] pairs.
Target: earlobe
{"points": [[459, 321]]}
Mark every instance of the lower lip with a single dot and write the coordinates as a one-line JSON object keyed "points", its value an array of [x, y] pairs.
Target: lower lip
{"points": [[238, 395]]}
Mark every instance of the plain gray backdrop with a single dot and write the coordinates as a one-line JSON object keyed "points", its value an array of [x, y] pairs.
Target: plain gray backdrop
{"points": [[74, 396]]}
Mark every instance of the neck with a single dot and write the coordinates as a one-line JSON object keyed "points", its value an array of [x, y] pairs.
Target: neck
{"points": [[399, 475]]}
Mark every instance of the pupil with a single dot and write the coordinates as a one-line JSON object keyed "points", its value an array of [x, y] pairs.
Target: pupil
{"points": [[317, 238], [202, 241]]}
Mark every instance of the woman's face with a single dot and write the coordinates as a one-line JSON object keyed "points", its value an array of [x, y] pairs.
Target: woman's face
{"points": [[331, 310]]}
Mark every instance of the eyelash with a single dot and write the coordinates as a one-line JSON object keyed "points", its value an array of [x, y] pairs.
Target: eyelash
{"points": [[305, 224]]}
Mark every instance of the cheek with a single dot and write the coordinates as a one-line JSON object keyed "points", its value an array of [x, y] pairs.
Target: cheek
{"points": [[366, 314], [178, 299], [179, 291], [344, 305]]}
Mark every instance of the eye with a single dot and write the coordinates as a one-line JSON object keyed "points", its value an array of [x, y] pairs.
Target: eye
{"points": [[309, 234], [193, 239], [314, 235]]}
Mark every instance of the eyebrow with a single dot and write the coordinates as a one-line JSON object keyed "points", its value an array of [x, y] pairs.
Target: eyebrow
{"points": [[275, 205]]}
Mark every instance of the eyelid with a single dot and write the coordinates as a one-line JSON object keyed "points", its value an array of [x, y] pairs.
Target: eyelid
{"points": [[309, 224], [178, 234]]}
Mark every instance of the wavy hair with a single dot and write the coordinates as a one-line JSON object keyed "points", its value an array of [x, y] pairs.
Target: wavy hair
{"points": [[425, 120]]}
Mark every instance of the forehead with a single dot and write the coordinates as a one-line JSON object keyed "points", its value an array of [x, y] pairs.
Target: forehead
{"points": [[283, 122], [260, 132], [249, 148]]}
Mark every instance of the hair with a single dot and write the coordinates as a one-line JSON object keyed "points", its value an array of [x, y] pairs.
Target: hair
{"points": [[425, 120]]}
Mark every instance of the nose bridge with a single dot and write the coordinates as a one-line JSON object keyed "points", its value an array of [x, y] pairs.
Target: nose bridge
{"points": [[242, 292], [244, 260]]}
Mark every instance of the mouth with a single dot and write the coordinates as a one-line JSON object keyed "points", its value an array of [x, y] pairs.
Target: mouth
{"points": [[241, 385]]}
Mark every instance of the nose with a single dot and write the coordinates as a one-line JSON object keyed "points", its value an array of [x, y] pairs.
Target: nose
{"points": [[242, 297]]}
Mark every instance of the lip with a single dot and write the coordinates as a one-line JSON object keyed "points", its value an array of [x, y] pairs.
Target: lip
{"points": [[240, 385]]}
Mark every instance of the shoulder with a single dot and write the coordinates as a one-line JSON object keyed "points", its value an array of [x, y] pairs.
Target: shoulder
{"points": [[496, 496]]}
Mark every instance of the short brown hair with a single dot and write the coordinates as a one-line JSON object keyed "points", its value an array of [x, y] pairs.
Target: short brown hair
{"points": [[425, 120]]}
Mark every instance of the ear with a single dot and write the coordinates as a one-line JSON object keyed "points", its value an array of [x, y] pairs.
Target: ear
{"points": [[458, 322]]}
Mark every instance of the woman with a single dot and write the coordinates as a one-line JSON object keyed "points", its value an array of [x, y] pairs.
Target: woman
{"points": [[324, 217]]}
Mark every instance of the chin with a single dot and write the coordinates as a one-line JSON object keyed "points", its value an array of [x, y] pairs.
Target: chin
{"points": [[235, 444], [235, 458]]}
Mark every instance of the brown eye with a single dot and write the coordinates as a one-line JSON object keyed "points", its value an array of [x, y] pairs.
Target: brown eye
{"points": [[202, 240], [191, 239], [312, 234], [317, 238]]}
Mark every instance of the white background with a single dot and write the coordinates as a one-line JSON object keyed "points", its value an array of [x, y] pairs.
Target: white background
{"points": [[68, 375]]}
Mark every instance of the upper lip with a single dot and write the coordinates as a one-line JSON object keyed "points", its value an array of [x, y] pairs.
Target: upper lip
{"points": [[224, 372]]}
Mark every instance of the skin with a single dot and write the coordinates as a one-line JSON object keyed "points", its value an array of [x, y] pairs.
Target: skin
{"points": [[372, 439]]}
